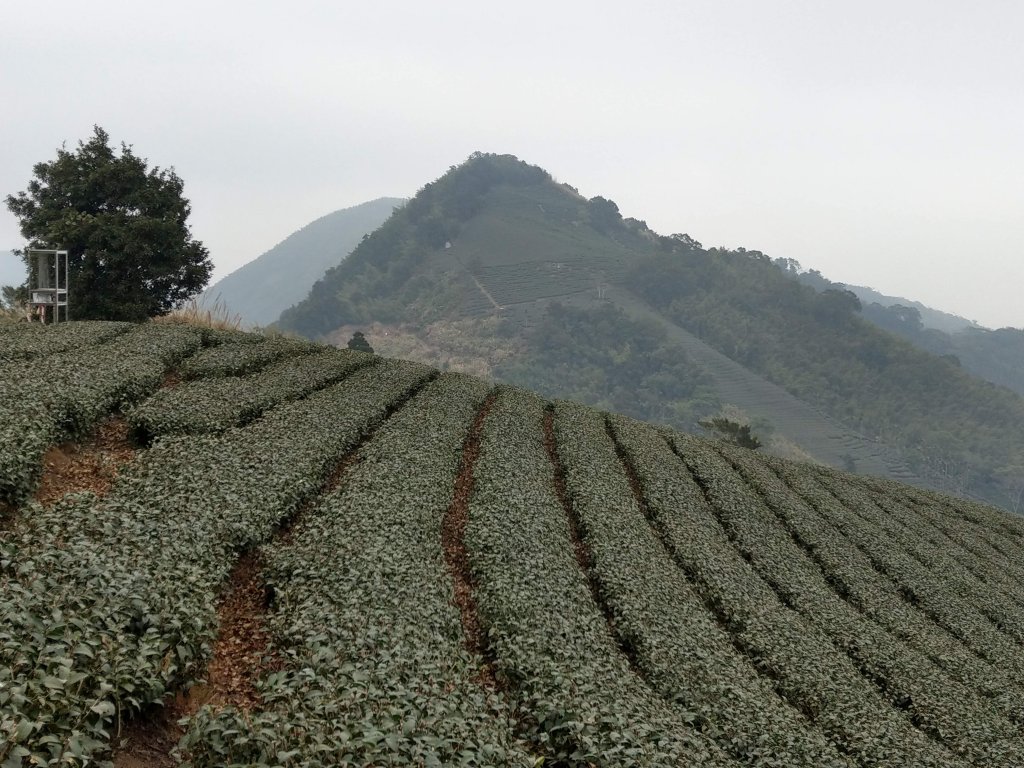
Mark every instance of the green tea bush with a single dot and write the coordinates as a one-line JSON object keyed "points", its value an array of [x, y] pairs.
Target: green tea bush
{"points": [[30, 340], [945, 709], [697, 668], [235, 358], [376, 667], [826, 686], [580, 702], [56, 397], [216, 403], [108, 604]]}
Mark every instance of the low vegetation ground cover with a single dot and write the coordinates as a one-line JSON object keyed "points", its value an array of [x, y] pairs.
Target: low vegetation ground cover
{"points": [[610, 594], [215, 403]]}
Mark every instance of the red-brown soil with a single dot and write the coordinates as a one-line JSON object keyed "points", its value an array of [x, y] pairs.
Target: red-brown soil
{"points": [[453, 540], [90, 465]]}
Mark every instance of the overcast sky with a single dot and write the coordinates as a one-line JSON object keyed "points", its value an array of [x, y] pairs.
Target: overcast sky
{"points": [[879, 142]]}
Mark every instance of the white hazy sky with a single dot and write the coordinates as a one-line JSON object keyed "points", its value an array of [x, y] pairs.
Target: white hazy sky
{"points": [[880, 142]]}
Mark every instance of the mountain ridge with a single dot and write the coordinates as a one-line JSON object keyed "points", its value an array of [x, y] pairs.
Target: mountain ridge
{"points": [[261, 289], [498, 237]]}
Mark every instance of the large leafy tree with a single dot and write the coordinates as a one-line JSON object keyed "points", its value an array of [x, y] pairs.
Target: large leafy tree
{"points": [[124, 226]]}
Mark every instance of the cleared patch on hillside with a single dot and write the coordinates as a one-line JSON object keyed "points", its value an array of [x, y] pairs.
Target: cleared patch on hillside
{"points": [[91, 465], [470, 346]]}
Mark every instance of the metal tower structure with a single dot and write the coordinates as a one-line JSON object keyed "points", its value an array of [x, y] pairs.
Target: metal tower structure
{"points": [[49, 293]]}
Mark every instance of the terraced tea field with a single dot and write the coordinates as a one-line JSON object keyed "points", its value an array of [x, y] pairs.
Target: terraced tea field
{"points": [[451, 573]]}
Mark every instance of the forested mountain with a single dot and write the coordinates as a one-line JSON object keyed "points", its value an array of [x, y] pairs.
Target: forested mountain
{"points": [[994, 355], [261, 289], [933, 318], [567, 278]]}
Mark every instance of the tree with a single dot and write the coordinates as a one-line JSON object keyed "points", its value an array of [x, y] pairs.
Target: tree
{"points": [[130, 250], [359, 343], [13, 296], [732, 431]]}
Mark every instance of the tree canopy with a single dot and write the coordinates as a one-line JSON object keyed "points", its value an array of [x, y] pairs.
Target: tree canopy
{"points": [[359, 343], [124, 226]]}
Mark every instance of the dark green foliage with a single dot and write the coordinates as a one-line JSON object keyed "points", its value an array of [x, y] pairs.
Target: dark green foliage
{"points": [[108, 604], [997, 356], [690, 510], [377, 673], [604, 215], [602, 357], [13, 297], [236, 357], [359, 343], [582, 703], [214, 404], [55, 397], [733, 432], [818, 347], [644, 597], [681, 651], [124, 226], [28, 340]]}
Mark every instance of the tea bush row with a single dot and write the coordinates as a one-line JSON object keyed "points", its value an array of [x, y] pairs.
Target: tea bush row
{"points": [[109, 603], [931, 592], [28, 340], [988, 591], [823, 684], [980, 547], [576, 696], [214, 404], [685, 655], [234, 358], [947, 710], [57, 397], [877, 596], [376, 671]]}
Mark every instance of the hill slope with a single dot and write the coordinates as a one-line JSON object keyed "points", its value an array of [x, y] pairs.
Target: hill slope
{"points": [[994, 355], [498, 237], [259, 291], [930, 317], [445, 572]]}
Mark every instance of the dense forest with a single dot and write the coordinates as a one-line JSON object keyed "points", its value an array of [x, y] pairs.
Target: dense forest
{"points": [[602, 357], [384, 279], [819, 346], [994, 355]]}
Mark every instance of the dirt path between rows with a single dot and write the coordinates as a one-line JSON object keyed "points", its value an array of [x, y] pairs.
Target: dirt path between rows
{"points": [[453, 542], [243, 652]]}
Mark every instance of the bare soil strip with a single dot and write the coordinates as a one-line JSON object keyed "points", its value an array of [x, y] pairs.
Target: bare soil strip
{"points": [[244, 650], [453, 541], [172, 379], [90, 465], [147, 740]]}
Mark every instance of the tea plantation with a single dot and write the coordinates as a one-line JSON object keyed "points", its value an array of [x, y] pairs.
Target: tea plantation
{"points": [[458, 574]]}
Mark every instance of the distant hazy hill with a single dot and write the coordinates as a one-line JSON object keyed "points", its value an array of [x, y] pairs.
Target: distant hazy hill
{"points": [[12, 270], [994, 355], [261, 289], [575, 301], [930, 317]]}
